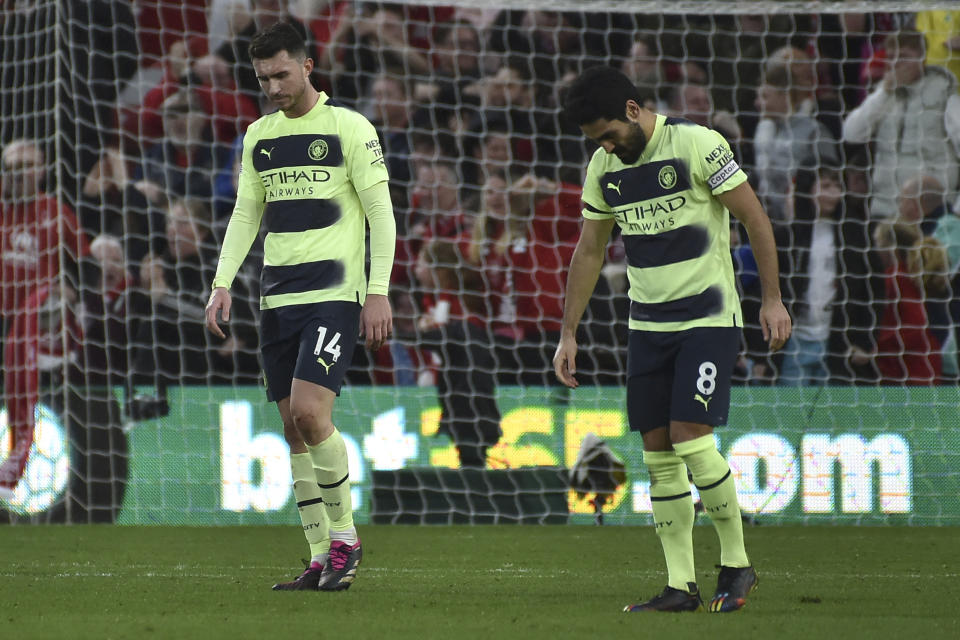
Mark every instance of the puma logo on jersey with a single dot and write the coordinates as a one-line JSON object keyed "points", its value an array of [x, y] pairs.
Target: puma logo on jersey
{"points": [[615, 187], [705, 401], [267, 153], [325, 365]]}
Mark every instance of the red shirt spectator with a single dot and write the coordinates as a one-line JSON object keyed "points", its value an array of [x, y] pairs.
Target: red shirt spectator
{"points": [[907, 352], [534, 261], [34, 228], [35, 342]]}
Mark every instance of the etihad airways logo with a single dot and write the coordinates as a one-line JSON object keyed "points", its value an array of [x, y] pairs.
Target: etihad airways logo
{"points": [[291, 176], [649, 209]]}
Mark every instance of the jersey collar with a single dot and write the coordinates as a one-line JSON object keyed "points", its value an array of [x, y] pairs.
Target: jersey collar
{"points": [[654, 140]]}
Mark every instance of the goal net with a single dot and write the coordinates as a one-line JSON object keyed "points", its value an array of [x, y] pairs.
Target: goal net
{"points": [[121, 126]]}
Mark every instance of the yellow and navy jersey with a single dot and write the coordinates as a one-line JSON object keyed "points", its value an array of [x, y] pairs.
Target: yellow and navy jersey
{"points": [[306, 172], [676, 233]]}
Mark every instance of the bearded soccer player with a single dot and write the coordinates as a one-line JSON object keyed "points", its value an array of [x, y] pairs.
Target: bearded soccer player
{"points": [[312, 172], [671, 185]]}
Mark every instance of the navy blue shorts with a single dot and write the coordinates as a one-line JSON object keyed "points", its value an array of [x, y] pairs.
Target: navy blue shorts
{"points": [[682, 375], [312, 342]]}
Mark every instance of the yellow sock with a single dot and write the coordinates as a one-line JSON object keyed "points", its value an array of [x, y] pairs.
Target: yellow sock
{"points": [[711, 474], [313, 515], [333, 476], [672, 515]]}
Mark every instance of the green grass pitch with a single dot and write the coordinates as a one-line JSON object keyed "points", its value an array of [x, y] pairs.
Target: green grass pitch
{"points": [[498, 582]]}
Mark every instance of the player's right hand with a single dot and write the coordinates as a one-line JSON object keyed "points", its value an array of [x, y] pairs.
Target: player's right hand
{"points": [[220, 300], [564, 361]]}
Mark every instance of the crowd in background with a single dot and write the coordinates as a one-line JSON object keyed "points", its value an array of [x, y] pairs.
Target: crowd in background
{"points": [[847, 124]]}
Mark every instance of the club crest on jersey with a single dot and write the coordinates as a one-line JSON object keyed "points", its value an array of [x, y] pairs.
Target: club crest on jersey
{"points": [[667, 177], [318, 149]]}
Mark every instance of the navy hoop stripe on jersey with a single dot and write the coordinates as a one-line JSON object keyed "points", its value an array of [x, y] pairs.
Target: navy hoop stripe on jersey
{"points": [[657, 250], [298, 278], [295, 216], [645, 182], [702, 305], [300, 150]]}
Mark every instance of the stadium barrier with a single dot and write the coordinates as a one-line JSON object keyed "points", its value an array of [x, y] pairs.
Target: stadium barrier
{"points": [[817, 456]]}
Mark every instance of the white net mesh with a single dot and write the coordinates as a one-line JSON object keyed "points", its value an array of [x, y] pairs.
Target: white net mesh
{"points": [[121, 124]]}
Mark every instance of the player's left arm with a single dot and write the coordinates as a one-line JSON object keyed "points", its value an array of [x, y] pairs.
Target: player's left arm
{"points": [[376, 318], [743, 204], [367, 171]]}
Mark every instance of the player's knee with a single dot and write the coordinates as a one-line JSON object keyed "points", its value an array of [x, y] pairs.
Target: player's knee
{"points": [[292, 435], [304, 415]]}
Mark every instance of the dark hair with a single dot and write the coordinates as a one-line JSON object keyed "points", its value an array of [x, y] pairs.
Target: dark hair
{"points": [[281, 36], [599, 92]]}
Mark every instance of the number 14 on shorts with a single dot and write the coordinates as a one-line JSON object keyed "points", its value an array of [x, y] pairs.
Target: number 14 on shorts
{"points": [[332, 348]]}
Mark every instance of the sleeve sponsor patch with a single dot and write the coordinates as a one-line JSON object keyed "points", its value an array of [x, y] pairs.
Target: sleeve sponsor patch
{"points": [[721, 175], [373, 146]]}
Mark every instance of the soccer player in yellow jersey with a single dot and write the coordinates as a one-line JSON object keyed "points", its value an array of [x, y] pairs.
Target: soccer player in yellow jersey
{"points": [[314, 175], [670, 185]]}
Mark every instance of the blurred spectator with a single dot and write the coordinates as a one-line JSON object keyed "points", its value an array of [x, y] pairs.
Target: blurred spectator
{"points": [[908, 352], [224, 18], [643, 64], [188, 68], [460, 335], [736, 48], [825, 267], [546, 44], [787, 138], [436, 208], [129, 203], [853, 43], [68, 77], [43, 338], [523, 245], [161, 24], [36, 228], [947, 232], [492, 150], [113, 202], [436, 211], [693, 102], [326, 20], [391, 117], [821, 102], [373, 40], [186, 161], [457, 53], [225, 186], [941, 29], [171, 344], [106, 320], [913, 121], [922, 202]]}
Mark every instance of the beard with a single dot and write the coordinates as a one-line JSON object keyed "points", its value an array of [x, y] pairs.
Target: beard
{"points": [[629, 152]]}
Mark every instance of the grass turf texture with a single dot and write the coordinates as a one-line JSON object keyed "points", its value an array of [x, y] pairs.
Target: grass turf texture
{"points": [[468, 582]]}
